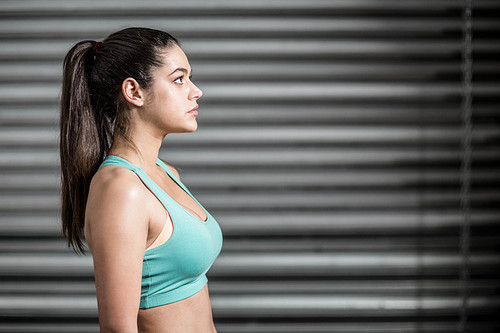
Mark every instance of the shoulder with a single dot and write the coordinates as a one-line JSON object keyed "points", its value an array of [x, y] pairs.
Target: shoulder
{"points": [[116, 198], [117, 181], [173, 169]]}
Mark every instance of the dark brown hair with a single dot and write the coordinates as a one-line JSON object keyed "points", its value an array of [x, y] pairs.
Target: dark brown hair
{"points": [[92, 110]]}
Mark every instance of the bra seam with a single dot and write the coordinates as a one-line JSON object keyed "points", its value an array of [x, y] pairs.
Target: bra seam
{"points": [[150, 282]]}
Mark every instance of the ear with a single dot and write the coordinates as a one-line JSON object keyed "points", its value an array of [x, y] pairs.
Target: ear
{"points": [[133, 92]]}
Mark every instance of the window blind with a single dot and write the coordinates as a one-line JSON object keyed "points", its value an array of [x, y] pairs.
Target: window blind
{"points": [[328, 149]]}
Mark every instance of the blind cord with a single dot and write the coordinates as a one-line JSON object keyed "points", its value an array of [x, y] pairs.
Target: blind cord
{"points": [[465, 165]]}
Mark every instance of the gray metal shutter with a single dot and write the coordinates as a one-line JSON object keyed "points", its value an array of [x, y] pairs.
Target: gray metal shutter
{"points": [[328, 149]]}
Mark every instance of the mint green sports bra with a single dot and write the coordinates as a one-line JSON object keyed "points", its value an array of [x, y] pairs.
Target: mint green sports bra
{"points": [[175, 269]]}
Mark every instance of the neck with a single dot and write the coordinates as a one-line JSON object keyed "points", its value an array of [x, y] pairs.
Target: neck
{"points": [[144, 155]]}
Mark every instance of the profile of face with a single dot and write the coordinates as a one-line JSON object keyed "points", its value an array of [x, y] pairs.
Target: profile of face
{"points": [[171, 101]]}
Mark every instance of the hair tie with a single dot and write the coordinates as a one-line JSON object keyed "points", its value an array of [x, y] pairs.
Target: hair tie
{"points": [[96, 47]]}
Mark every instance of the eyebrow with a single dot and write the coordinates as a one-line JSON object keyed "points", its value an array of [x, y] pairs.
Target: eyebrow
{"points": [[182, 69]]}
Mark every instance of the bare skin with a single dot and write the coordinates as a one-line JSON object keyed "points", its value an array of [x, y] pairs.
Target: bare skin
{"points": [[123, 218]]}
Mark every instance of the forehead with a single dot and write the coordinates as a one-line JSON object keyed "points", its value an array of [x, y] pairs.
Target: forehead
{"points": [[174, 57]]}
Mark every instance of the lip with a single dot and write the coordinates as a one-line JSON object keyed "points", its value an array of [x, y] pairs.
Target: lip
{"points": [[194, 111]]}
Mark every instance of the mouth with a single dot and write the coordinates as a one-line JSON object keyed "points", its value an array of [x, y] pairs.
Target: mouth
{"points": [[194, 111]]}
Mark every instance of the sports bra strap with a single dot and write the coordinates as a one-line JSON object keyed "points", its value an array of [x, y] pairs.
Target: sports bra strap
{"points": [[116, 160], [174, 178], [153, 187], [164, 198]]}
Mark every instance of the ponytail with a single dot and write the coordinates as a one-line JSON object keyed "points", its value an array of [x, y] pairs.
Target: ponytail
{"points": [[93, 110], [82, 146]]}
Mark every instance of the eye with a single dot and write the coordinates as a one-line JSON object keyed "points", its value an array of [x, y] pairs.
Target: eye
{"points": [[179, 80]]}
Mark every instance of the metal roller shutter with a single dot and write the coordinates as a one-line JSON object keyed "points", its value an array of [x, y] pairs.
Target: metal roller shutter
{"points": [[328, 149]]}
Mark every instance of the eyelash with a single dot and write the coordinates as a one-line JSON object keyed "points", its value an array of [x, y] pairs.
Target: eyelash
{"points": [[182, 77]]}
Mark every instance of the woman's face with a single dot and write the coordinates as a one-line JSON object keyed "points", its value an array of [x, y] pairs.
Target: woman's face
{"points": [[172, 100]]}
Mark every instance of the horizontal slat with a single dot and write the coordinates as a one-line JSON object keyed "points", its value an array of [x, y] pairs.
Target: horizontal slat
{"points": [[282, 114], [341, 222], [319, 306], [252, 327], [293, 200], [270, 135], [324, 92], [215, 180], [327, 264], [271, 223], [206, 71], [75, 327], [241, 326], [251, 48], [365, 326], [442, 241], [403, 287], [272, 157], [262, 306], [269, 264], [62, 27], [128, 6]]}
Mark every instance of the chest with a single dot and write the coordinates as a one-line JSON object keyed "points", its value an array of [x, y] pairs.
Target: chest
{"points": [[180, 196]]}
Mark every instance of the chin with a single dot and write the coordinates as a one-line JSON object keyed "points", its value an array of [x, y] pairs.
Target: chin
{"points": [[194, 128], [189, 129]]}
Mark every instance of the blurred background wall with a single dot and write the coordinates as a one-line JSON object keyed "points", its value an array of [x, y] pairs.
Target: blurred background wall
{"points": [[328, 148]]}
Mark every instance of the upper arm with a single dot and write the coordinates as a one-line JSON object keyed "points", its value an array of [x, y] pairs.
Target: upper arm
{"points": [[116, 228]]}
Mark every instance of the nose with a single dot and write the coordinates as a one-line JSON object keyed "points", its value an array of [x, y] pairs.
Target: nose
{"points": [[196, 92]]}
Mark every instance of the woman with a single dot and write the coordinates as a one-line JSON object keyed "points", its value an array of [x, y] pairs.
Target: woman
{"points": [[152, 242]]}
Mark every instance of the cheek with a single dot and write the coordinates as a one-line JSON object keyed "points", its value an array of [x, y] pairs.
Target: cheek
{"points": [[170, 95], [169, 108], [169, 100]]}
